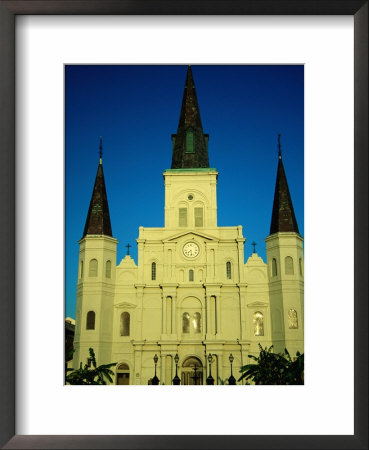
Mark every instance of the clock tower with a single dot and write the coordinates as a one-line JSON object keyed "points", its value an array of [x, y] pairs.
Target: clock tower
{"points": [[190, 184]]}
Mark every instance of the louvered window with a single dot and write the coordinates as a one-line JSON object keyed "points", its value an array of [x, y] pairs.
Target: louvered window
{"points": [[274, 267], [190, 147], [153, 271], [108, 269], [183, 217], [229, 270], [288, 262], [199, 217], [92, 271]]}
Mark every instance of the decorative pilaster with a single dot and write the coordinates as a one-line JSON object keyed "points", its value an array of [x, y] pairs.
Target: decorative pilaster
{"points": [[164, 314], [174, 314], [242, 301]]}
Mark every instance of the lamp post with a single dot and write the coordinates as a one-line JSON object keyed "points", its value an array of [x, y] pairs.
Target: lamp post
{"points": [[155, 380], [210, 379], [176, 380], [231, 379]]}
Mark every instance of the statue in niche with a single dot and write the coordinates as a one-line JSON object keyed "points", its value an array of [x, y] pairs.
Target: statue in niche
{"points": [[258, 324], [292, 319]]}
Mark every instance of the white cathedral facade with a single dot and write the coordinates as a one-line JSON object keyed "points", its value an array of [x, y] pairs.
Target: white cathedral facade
{"points": [[191, 301]]}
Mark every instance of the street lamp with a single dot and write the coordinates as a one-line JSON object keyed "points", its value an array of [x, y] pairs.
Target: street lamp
{"points": [[231, 379], [155, 380], [210, 379], [176, 380]]}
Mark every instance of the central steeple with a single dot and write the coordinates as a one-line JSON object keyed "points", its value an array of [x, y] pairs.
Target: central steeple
{"points": [[190, 144]]}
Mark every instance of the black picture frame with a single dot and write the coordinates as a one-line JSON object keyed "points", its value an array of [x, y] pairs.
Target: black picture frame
{"points": [[8, 281]]}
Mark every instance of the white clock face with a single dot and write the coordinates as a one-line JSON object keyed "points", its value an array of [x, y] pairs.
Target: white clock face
{"points": [[191, 250]]}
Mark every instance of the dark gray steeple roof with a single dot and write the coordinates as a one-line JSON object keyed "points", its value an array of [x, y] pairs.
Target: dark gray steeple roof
{"points": [[283, 215], [190, 144], [98, 217]]}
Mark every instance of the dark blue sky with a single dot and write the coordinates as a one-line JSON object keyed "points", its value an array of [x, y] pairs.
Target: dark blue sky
{"points": [[136, 109]]}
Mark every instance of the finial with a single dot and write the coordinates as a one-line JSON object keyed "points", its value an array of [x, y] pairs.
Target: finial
{"points": [[128, 247], [279, 147], [101, 150], [254, 245]]}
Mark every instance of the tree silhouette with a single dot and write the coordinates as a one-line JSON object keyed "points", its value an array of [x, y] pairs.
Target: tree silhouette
{"points": [[88, 375], [274, 368]]}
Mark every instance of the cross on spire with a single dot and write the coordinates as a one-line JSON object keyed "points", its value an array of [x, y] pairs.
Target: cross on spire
{"points": [[128, 247], [101, 149], [254, 245], [279, 146]]}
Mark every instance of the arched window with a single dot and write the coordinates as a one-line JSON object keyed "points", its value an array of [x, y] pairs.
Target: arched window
{"points": [[229, 270], [124, 324], [153, 271], [258, 324], [182, 217], [274, 267], [199, 217], [108, 269], [90, 320], [300, 265], [190, 275], [123, 374], [197, 322], [292, 319], [81, 270], [185, 323], [288, 264], [92, 270]]}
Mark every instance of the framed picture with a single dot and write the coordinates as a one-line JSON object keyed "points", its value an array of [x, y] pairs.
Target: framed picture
{"points": [[148, 432]]}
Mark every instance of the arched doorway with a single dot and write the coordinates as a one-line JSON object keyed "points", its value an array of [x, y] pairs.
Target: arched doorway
{"points": [[123, 374], [192, 371]]}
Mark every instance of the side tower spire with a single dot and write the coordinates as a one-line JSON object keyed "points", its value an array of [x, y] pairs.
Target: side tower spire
{"points": [[96, 278], [190, 144], [283, 215], [284, 249], [98, 217]]}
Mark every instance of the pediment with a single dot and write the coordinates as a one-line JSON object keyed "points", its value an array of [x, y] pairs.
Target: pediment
{"points": [[257, 304], [125, 305], [190, 234]]}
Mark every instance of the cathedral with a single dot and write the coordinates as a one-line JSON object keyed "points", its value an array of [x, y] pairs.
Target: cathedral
{"points": [[191, 310]]}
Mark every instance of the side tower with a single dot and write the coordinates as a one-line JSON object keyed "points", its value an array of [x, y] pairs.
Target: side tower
{"points": [[284, 249], [96, 278]]}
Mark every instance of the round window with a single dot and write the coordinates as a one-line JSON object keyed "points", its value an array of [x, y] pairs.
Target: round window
{"points": [[190, 197]]}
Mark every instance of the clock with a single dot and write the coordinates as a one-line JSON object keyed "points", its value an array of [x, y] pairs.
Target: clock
{"points": [[191, 250]]}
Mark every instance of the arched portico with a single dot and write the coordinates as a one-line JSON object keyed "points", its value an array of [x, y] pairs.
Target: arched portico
{"points": [[192, 371]]}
